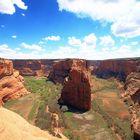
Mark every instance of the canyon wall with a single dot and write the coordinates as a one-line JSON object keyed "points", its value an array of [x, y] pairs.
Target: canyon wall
{"points": [[11, 83], [34, 67], [132, 98], [118, 68]]}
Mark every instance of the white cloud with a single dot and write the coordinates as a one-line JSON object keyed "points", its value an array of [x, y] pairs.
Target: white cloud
{"points": [[87, 42], [40, 42], [73, 41], [107, 41], [134, 43], [90, 40], [14, 36], [2, 26], [4, 49], [23, 14], [70, 52], [31, 47], [52, 38], [122, 14], [8, 6]]}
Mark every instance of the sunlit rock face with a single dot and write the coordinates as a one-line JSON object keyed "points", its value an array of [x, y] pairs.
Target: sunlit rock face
{"points": [[132, 94], [14, 127], [119, 69], [33, 67], [6, 68], [76, 90], [11, 83]]}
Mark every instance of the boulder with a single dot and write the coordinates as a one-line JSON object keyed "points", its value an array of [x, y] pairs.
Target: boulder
{"points": [[14, 127]]}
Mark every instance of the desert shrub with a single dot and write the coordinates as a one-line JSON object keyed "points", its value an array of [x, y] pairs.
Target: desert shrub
{"points": [[69, 134], [33, 111], [64, 108], [125, 134]]}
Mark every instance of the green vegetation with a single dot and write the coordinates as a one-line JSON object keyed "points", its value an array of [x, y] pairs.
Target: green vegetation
{"points": [[102, 85], [10, 103], [95, 124], [31, 115], [49, 94], [107, 103]]}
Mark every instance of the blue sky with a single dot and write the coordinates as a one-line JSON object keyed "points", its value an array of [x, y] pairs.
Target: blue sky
{"points": [[95, 29]]}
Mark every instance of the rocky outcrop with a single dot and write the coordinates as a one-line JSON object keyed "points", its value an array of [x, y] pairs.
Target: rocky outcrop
{"points": [[61, 69], [132, 97], [6, 68], [14, 127], [33, 67], [119, 69], [11, 83], [76, 91]]}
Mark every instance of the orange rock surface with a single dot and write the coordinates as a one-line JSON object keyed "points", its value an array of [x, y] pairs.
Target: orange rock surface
{"points": [[11, 83], [77, 87], [14, 127], [132, 96], [115, 68], [33, 67]]}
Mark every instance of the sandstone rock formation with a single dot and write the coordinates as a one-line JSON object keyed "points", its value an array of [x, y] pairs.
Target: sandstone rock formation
{"points": [[6, 68], [61, 69], [119, 68], [14, 127], [11, 83], [115, 68], [33, 67], [77, 87], [132, 97]]}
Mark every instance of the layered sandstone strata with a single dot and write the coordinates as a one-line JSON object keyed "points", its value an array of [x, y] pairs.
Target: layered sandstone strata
{"points": [[132, 97], [33, 67], [115, 68], [61, 69], [11, 83], [76, 90]]}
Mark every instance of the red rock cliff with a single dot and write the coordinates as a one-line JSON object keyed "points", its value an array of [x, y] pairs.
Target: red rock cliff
{"points": [[132, 97], [11, 83], [114, 68], [61, 69], [77, 87], [33, 67]]}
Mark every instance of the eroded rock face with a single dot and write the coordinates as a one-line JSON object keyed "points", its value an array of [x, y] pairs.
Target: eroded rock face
{"points": [[77, 87], [116, 68], [6, 68], [61, 69], [33, 67], [132, 96], [11, 83]]}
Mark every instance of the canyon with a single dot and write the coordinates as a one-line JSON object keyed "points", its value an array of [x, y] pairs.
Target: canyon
{"points": [[76, 76], [118, 68]]}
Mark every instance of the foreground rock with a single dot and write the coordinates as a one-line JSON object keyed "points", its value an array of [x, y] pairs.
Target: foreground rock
{"points": [[77, 87], [14, 127], [132, 97], [11, 83]]}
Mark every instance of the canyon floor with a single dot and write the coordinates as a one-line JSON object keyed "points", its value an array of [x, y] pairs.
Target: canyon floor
{"points": [[108, 110]]}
